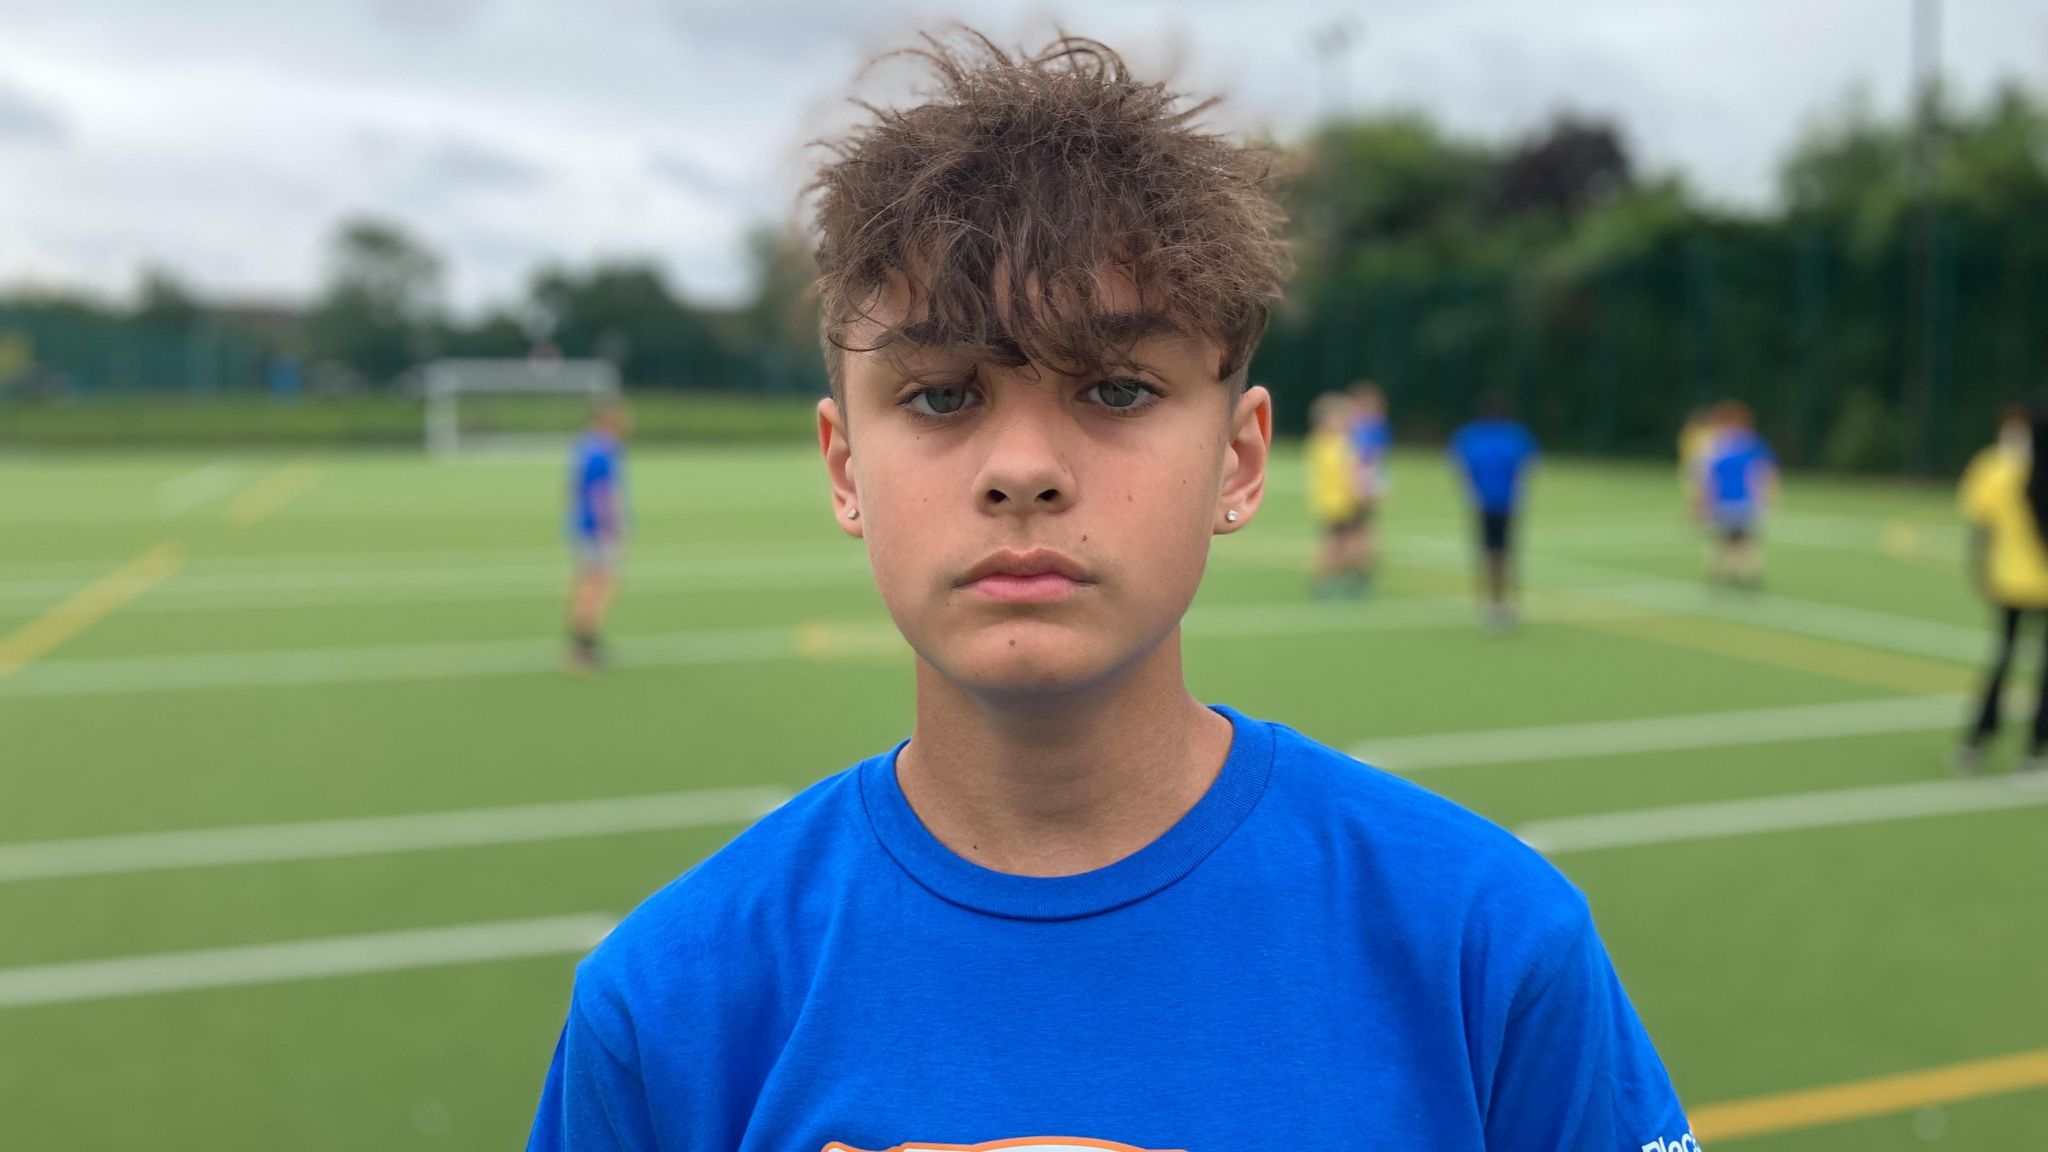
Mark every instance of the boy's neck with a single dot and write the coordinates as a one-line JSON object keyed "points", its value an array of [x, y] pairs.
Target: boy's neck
{"points": [[1056, 786]]}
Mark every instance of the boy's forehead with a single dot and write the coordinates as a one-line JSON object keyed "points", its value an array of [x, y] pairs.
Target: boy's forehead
{"points": [[896, 320]]}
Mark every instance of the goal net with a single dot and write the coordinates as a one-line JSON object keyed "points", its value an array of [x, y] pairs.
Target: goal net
{"points": [[511, 406]]}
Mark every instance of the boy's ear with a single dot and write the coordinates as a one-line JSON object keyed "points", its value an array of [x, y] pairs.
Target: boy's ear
{"points": [[1244, 460], [838, 453]]}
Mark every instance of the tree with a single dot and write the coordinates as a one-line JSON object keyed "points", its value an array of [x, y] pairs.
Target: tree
{"points": [[625, 313], [1997, 162], [496, 335], [163, 301], [1394, 178], [1852, 167], [781, 319], [1857, 168], [1572, 166], [382, 302]]}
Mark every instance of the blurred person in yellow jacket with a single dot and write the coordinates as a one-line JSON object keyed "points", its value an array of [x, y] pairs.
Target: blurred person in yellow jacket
{"points": [[1695, 440], [2004, 496], [1335, 497]]}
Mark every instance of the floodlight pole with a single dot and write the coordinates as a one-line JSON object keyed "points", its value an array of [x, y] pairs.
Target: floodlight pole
{"points": [[1920, 370], [1333, 44]]}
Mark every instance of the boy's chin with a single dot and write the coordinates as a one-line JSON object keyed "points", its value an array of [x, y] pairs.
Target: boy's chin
{"points": [[1012, 662]]}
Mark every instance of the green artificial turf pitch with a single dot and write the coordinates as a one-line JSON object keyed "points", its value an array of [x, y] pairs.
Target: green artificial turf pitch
{"points": [[352, 637]]}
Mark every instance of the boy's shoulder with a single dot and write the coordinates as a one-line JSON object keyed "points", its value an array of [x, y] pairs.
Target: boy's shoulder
{"points": [[1427, 853], [760, 890]]}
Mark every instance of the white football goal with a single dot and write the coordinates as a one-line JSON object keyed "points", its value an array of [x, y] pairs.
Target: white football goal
{"points": [[511, 406]]}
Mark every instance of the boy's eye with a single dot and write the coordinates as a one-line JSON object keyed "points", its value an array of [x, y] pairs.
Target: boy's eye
{"points": [[1120, 395], [941, 401]]}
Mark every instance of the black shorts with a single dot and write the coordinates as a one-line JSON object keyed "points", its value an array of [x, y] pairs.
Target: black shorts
{"points": [[1496, 530]]}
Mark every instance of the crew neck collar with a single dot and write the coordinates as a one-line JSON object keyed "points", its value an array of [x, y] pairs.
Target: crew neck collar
{"points": [[1230, 798]]}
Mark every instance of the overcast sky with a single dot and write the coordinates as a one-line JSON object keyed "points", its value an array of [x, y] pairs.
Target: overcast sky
{"points": [[224, 138]]}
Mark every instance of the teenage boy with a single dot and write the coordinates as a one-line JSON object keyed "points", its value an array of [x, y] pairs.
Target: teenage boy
{"points": [[1372, 438], [1077, 909], [1493, 454], [1739, 481], [597, 529]]}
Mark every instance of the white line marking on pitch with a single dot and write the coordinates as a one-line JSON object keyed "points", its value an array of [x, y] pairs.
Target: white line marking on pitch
{"points": [[1803, 810], [1882, 630], [246, 590], [202, 485], [300, 960], [1888, 631], [116, 675], [651, 571], [378, 835], [125, 674], [1663, 733]]}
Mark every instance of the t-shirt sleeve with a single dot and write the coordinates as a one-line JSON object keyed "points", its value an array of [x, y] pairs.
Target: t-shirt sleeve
{"points": [[594, 1099], [1577, 1072]]}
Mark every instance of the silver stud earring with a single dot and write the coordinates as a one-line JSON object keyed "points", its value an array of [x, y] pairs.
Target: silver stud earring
{"points": [[853, 513], [1231, 515]]}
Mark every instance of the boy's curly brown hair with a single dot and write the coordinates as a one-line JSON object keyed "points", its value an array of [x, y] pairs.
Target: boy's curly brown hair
{"points": [[1047, 171]]}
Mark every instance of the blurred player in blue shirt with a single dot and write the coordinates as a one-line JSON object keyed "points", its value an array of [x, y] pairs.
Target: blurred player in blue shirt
{"points": [[1076, 908], [597, 508], [1372, 441], [1738, 482], [1493, 454]]}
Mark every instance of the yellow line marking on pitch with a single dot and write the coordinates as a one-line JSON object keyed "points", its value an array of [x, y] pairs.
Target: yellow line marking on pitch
{"points": [[1878, 1096], [816, 640], [1845, 662], [1769, 646], [259, 500], [1901, 540], [88, 606]]}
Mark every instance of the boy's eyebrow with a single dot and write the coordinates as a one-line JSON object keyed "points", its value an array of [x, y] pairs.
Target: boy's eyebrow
{"points": [[933, 334], [1121, 329]]}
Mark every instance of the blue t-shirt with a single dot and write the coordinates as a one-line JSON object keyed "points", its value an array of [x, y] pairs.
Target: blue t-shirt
{"points": [[1733, 466], [1494, 454], [594, 486], [1318, 955], [1372, 437]]}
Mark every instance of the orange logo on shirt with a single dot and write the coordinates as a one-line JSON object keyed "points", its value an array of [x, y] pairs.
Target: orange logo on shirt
{"points": [[1020, 1144]]}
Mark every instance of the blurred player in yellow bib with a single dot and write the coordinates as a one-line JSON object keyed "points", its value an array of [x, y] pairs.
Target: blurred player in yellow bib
{"points": [[1695, 440], [1335, 497], [2004, 496]]}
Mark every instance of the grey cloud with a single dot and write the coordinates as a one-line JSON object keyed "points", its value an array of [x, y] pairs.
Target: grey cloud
{"points": [[25, 119], [699, 179], [459, 111], [427, 17], [469, 164], [779, 29]]}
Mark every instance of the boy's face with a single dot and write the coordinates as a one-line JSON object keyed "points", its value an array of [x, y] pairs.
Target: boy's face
{"points": [[1031, 532]]}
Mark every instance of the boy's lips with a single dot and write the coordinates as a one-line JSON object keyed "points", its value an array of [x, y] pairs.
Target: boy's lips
{"points": [[1029, 577]]}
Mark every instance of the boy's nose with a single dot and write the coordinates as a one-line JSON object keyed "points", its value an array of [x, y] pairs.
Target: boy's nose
{"points": [[1025, 470]]}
